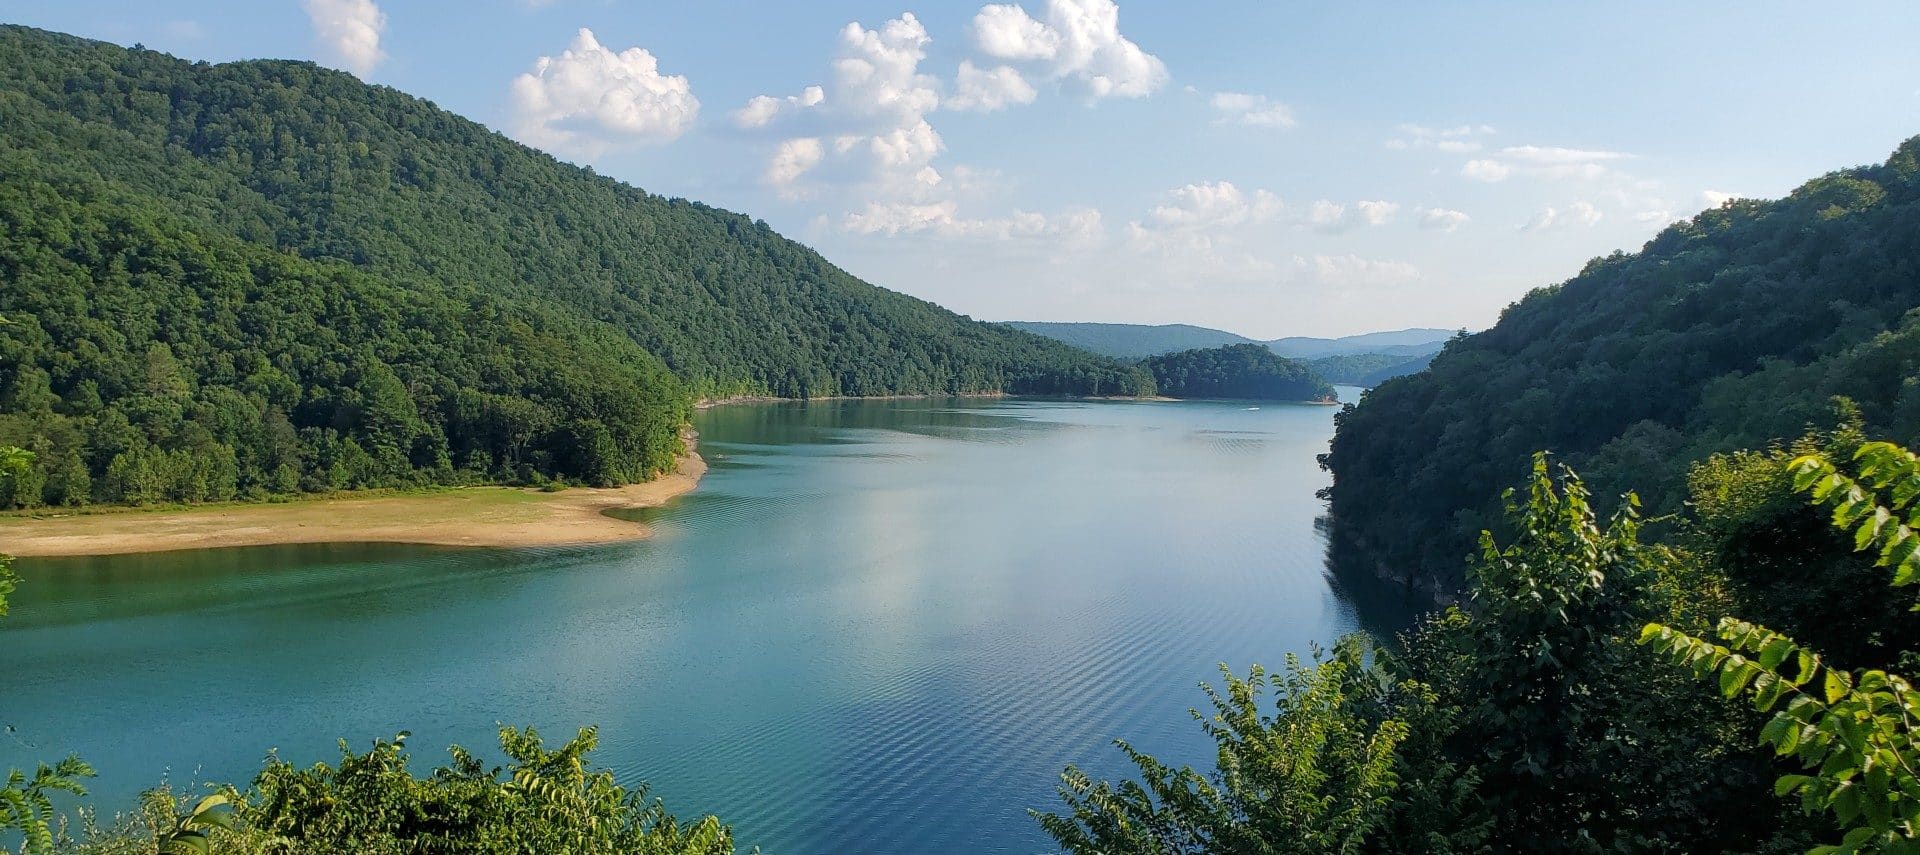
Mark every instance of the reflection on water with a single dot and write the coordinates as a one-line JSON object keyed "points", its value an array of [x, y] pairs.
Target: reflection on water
{"points": [[878, 626]]}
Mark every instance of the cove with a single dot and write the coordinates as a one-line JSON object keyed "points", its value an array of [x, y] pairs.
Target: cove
{"points": [[877, 626]]}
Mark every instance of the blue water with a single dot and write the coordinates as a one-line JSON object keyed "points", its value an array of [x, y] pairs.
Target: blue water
{"points": [[877, 626]]}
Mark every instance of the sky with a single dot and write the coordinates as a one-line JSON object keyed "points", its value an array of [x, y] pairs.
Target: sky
{"points": [[1269, 168]]}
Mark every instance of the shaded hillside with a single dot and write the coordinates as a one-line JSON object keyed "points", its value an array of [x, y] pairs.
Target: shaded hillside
{"points": [[1370, 369], [315, 163], [1131, 342], [147, 359], [1408, 342], [1726, 331], [1245, 371]]}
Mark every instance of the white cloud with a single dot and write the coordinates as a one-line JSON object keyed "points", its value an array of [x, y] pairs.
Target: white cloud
{"points": [[1659, 215], [1442, 219], [760, 110], [794, 158], [906, 147], [942, 219], [991, 89], [1486, 170], [1008, 32], [1375, 213], [1213, 204], [875, 103], [348, 31], [1551, 162], [1716, 198], [1079, 40], [877, 71], [1351, 271], [1458, 139], [1199, 234], [1333, 217], [1556, 155], [1243, 109], [589, 97], [1580, 214]]}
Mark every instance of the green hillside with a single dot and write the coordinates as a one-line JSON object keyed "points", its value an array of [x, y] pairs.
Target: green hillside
{"points": [[1131, 342], [1369, 369], [256, 277], [1727, 331], [1242, 371]]}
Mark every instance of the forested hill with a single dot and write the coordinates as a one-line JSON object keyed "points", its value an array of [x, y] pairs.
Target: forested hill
{"points": [[1727, 331], [314, 163], [1131, 341], [1244, 371], [261, 278]]}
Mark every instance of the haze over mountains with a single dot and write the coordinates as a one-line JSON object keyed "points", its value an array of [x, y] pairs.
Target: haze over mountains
{"points": [[1359, 360]]}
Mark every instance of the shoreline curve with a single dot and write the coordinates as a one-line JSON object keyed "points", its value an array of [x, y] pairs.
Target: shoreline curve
{"points": [[488, 516]]}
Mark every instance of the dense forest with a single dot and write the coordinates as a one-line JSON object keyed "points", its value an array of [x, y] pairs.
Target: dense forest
{"points": [[1368, 369], [1728, 331], [1131, 342], [257, 278], [1248, 371], [1598, 692]]}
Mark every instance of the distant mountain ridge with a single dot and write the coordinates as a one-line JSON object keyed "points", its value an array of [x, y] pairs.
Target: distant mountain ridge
{"points": [[1132, 341], [1408, 341], [1355, 360]]}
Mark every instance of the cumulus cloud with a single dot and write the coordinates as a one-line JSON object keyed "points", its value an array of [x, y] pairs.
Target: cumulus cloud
{"points": [[877, 71], [348, 32], [875, 104], [760, 110], [943, 219], [590, 97], [989, 89], [1457, 139], [1578, 214], [1442, 219], [794, 158], [1212, 204], [1200, 233], [1716, 198], [1239, 108], [1333, 217], [1078, 40], [1486, 170]]}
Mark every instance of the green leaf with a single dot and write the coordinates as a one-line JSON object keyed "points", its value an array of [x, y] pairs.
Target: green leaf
{"points": [[1834, 685], [1789, 783]]}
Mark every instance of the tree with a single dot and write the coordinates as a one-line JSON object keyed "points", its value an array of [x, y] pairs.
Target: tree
{"points": [[1855, 733], [19, 486], [1315, 776]]}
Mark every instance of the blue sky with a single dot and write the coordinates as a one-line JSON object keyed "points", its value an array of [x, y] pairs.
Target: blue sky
{"points": [[1272, 168]]}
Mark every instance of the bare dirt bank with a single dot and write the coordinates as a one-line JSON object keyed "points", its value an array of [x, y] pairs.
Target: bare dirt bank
{"points": [[468, 516]]}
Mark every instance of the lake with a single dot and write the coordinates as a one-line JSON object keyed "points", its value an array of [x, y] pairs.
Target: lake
{"points": [[877, 626]]}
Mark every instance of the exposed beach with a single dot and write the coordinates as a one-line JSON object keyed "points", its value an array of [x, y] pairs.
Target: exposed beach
{"points": [[467, 516]]}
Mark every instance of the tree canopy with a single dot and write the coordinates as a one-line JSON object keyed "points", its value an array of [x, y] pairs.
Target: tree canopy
{"points": [[1247, 371], [264, 277], [1724, 332]]}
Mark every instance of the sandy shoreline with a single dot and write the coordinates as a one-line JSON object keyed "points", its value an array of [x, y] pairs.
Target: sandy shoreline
{"points": [[468, 516]]}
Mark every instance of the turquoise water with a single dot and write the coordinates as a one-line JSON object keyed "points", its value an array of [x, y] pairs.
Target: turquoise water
{"points": [[877, 626]]}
